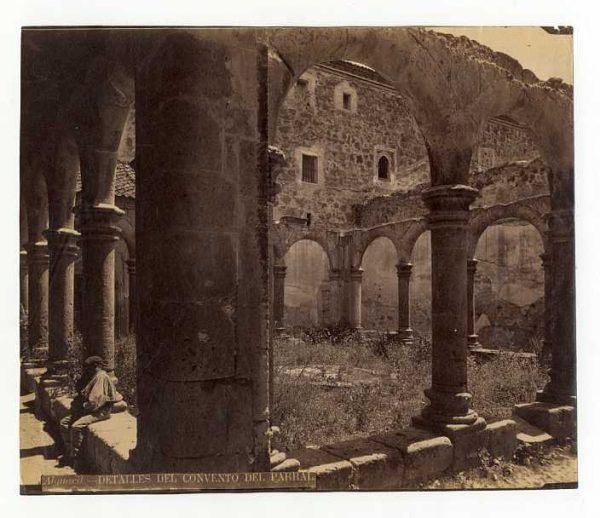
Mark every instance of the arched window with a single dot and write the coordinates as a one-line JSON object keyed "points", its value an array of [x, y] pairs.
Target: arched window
{"points": [[383, 168]]}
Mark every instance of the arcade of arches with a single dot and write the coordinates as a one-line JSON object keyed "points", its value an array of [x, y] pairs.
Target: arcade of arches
{"points": [[223, 217]]}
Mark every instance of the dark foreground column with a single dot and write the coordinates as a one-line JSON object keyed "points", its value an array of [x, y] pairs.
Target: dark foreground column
{"points": [[63, 253], [279, 296], [405, 332], [356, 276], [38, 262], [202, 251], [561, 388], [472, 338], [448, 395]]}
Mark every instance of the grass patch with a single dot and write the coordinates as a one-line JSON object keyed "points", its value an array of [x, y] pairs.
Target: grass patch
{"points": [[310, 413]]}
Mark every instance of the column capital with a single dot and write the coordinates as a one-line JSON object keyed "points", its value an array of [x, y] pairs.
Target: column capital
{"points": [[62, 242], [472, 265], [404, 269], [279, 270], [449, 204], [334, 275], [99, 222], [356, 273], [37, 253]]}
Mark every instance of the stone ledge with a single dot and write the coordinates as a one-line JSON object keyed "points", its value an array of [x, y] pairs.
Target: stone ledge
{"points": [[376, 466], [424, 453], [559, 421], [107, 444], [502, 439]]}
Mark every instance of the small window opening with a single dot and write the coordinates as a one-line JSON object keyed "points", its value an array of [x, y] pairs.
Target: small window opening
{"points": [[383, 168], [309, 168], [346, 100]]}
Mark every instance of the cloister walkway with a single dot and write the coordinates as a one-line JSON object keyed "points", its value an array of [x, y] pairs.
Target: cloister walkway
{"points": [[37, 449]]}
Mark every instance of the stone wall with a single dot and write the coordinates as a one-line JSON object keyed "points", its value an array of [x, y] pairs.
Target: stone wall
{"points": [[347, 143]]}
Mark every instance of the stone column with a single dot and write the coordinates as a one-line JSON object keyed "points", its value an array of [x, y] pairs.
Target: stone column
{"points": [[334, 297], [448, 219], [561, 388], [38, 262], [405, 332], [132, 295], [356, 275], [546, 258], [63, 253], [472, 338], [99, 236], [23, 281], [202, 252], [279, 296]]}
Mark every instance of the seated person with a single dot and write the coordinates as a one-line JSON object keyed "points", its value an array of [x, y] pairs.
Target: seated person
{"points": [[96, 394]]}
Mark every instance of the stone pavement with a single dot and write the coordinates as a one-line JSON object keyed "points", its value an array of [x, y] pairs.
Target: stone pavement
{"points": [[37, 449]]}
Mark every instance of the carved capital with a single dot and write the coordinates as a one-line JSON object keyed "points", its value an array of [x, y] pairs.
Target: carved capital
{"points": [[404, 269], [37, 253], [279, 270], [356, 274], [62, 243], [99, 222], [449, 205]]}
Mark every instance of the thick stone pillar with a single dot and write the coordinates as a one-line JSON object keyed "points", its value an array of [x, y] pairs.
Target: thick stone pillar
{"points": [[99, 236], [279, 296], [561, 388], [548, 318], [356, 275], [38, 262], [472, 338], [202, 251], [335, 297], [133, 304], [63, 252], [448, 219], [405, 332], [23, 281]]}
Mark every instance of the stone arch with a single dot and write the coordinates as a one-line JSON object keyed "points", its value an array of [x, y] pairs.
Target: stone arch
{"points": [[365, 237], [410, 237], [436, 73], [285, 236], [484, 218]]}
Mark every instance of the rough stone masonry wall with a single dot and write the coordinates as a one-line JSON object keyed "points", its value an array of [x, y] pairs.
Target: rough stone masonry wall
{"points": [[505, 167], [346, 142]]}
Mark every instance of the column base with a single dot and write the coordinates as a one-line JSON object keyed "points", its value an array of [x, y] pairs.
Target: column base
{"points": [[405, 336], [446, 408], [473, 342], [547, 395]]}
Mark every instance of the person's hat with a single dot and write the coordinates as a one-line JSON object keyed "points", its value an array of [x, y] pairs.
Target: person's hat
{"points": [[96, 361]]}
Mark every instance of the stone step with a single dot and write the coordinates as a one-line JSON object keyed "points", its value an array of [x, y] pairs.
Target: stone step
{"points": [[531, 435]]}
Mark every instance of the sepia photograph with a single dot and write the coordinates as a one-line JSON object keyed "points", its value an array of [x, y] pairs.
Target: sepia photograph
{"points": [[296, 259]]}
